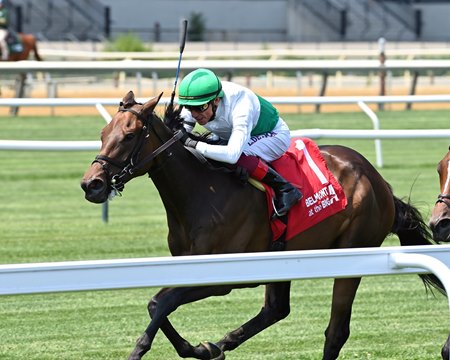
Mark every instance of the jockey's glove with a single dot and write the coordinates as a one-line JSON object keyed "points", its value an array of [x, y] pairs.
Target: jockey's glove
{"points": [[190, 142], [186, 140]]}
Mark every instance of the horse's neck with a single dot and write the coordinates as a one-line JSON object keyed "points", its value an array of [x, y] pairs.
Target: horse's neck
{"points": [[187, 186], [180, 177]]}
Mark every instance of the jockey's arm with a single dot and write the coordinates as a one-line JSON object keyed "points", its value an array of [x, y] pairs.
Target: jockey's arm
{"points": [[242, 118], [240, 135], [229, 153]]}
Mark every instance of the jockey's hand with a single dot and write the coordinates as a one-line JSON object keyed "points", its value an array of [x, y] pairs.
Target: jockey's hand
{"points": [[186, 140], [190, 142]]}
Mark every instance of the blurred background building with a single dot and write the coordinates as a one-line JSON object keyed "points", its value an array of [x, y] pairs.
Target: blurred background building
{"points": [[235, 20]]}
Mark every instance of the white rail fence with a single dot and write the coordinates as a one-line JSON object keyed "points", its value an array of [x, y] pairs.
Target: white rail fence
{"points": [[362, 101], [199, 270], [273, 54], [320, 66], [230, 67], [224, 269]]}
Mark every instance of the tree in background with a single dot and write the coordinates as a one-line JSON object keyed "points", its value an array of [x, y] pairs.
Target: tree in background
{"points": [[196, 29]]}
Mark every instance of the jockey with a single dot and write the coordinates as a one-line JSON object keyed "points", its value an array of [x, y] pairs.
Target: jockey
{"points": [[4, 23], [251, 127]]}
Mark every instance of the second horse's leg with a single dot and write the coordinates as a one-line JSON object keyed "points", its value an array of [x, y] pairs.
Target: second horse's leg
{"points": [[446, 350]]}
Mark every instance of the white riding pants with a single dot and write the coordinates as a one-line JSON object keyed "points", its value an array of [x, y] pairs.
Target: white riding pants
{"points": [[3, 45], [270, 146]]}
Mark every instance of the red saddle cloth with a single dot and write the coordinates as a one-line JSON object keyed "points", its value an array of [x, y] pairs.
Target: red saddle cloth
{"points": [[304, 167]]}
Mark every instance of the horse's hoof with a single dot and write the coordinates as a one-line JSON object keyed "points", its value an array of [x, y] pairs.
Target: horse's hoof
{"points": [[215, 352]]}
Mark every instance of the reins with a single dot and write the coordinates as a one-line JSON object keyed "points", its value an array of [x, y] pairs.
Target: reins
{"points": [[131, 164]]}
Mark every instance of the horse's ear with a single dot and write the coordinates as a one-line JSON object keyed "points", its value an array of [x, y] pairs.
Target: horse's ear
{"points": [[150, 105], [128, 99]]}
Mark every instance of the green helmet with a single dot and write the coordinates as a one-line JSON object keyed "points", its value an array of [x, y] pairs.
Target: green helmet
{"points": [[199, 87]]}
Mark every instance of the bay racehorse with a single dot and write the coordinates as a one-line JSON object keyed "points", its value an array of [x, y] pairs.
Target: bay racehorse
{"points": [[29, 43], [440, 217], [212, 212]]}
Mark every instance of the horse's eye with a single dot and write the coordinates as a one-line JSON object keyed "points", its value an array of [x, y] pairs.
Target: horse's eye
{"points": [[129, 137]]}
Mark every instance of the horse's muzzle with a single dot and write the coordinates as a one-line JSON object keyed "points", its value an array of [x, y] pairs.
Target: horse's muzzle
{"points": [[95, 189], [441, 229]]}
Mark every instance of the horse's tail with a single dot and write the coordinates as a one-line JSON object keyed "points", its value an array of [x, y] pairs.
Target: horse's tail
{"points": [[411, 229], [35, 51]]}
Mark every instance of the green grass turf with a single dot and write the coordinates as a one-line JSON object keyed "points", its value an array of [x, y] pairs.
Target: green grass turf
{"points": [[44, 217]]}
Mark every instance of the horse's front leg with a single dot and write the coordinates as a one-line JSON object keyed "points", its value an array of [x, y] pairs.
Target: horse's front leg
{"points": [[446, 350], [276, 307], [166, 302]]}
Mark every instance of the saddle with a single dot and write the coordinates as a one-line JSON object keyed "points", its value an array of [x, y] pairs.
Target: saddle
{"points": [[14, 42], [303, 166]]}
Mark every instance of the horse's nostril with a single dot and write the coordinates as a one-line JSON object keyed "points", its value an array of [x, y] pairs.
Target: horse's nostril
{"points": [[441, 230], [95, 184], [443, 224], [92, 185]]}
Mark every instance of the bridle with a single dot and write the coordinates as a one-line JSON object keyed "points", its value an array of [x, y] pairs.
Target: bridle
{"points": [[132, 164], [444, 198]]}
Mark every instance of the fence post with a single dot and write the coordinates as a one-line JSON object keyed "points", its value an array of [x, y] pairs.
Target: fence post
{"points": [[323, 88], [381, 47], [19, 18], [343, 24], [418, 23], [107, 22], [105, 211]]}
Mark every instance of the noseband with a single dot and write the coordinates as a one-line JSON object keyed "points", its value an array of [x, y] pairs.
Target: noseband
{"points": [[131, 164], [444, 198]]}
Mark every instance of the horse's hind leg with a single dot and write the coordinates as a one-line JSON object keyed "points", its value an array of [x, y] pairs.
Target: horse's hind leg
{"points": [[20, 92], [338, 329], [276, 307]]}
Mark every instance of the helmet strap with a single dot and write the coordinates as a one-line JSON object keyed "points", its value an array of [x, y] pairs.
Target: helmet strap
{"points": [[214, 109]]}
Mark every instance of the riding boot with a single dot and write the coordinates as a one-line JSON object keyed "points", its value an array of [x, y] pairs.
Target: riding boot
{"points": [[286, 194]]}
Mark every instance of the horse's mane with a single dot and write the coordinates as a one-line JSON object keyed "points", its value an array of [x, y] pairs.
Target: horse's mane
{"points": [[172, 117], [174, 121]]}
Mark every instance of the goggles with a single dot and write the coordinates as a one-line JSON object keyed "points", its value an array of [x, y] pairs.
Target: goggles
{"points": [[199, 108]]}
